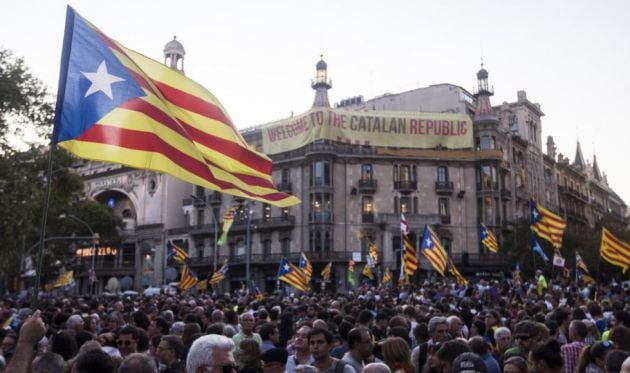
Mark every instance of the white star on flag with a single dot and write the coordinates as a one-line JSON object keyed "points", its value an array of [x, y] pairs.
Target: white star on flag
{"points": [[286, 267], [429, 242], [535, 213], [101, 81]]}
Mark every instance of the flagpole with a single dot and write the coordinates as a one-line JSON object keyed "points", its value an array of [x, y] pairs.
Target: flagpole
{"points": [[599, 262], [42, 232], [576, 269]]}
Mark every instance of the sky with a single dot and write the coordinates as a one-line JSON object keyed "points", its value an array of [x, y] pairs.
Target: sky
{"points": [[258, 57]]}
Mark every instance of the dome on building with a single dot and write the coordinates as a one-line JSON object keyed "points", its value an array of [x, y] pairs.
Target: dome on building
{"points": [[174, 47], [321, 65], [482, 74]]}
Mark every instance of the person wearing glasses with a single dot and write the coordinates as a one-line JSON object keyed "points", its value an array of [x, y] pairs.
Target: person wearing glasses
{"points": [[127, 341], [526, 334], [361, 346], [169, 353], [211, 354], [247, 332]]}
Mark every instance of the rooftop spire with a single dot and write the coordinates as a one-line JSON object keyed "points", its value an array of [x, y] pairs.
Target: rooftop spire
{"points": [[321, 84], [579, 157], [483, 92]]}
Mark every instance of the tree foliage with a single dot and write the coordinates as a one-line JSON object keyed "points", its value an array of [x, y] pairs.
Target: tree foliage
{"points": [[26, 108]]}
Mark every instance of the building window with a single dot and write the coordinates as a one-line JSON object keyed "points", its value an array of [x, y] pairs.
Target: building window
{"points": [[321, 206], [320, 240], [405, 173], [199, 191], [320, 173], [285, 213], [286, 176], [285, 245], [367, 172], [486, 178], [367, 205], [266, 212], [447, 242], [201, 218], [405, 205], [266, 247], [396, 206], [442, 175], [443, 207]]}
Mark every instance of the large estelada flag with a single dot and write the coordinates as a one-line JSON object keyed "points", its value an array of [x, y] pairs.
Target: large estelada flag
{"points": [[410, 260], [488, 239], [546, 224], [614, 250], [116, 105], [292, 275], [188, 280], [432, 249]]}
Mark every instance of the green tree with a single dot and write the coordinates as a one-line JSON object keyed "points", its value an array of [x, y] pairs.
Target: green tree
{"points": [[26, 108]]}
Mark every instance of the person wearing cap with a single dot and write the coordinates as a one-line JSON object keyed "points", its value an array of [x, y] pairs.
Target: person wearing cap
{"points": [[468, 362], [275, 360]]}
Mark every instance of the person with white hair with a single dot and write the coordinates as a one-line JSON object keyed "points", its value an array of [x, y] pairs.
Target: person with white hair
{"points": [[455, 327], [247, 332], [210, 354], [503, 338], [376, 368], [177, 328], [75, 324]]}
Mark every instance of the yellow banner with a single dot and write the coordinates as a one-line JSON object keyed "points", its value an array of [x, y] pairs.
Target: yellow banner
{"points": [[375, 128]]}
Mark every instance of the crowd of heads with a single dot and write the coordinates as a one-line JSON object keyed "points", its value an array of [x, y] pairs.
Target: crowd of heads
{"points": [[438, 327]]}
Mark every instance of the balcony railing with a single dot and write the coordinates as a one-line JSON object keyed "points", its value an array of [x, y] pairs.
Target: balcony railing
{"points": [[506, 193], [285, 187], [414, 220], [320, 217], [199, 201], [276, 222], [367, 218], [445, 219], [367, 185], [444, 187], [273, 258], [405, 186], [214, 198]]}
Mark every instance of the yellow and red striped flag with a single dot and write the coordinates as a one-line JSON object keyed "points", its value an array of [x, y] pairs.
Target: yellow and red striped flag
{"points": [[116, 105], [188, 279], [432, 249], [228, 220], [326, 272], [488, 239], [367, 272], [410, 260], [387, 276], [373, 252], [219, 275], [546, 224], [459, 278], [292, 275], [306, 267], [614, 250]]}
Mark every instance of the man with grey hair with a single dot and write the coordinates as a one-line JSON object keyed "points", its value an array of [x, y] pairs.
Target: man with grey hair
{"points": [[456, 327], [438, 333], [376, 368], [210, 354], [137, 363], [503, 338], [247, 332]]}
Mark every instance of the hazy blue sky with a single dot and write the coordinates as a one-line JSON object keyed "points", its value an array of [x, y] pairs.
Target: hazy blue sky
{"points": [[258, 57]]}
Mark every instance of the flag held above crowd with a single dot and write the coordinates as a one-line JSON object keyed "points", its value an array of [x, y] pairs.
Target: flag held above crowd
{"points": [[432, 249], [188, 279], [488, 239], [306, 267], [292, 275], [546, 224], [219, 275], [614, 250], [228, 220], [116, 105]]}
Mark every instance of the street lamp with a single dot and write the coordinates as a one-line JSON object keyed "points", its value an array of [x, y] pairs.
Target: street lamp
{"points": [[94, 235]]}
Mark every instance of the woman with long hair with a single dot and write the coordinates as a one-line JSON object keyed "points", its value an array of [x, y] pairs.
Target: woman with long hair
{"points": [[545, 357], [593, 358], [396, 355], [249, 355]]}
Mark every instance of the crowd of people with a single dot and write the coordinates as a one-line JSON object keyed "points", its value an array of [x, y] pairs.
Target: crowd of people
{"points": [[434, 327]]}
